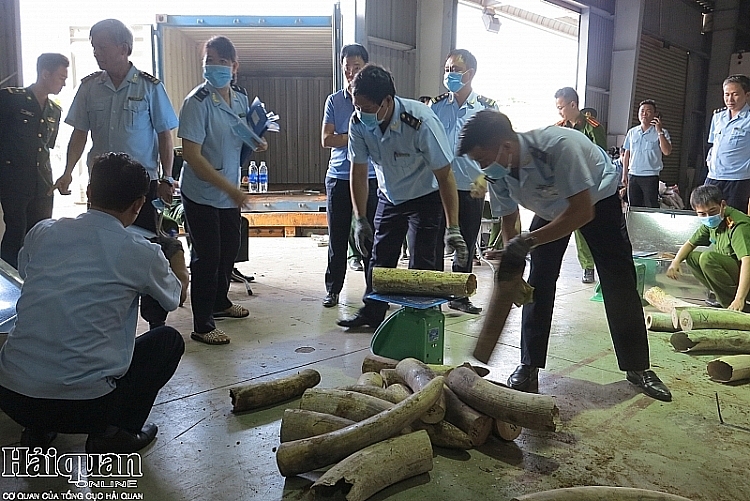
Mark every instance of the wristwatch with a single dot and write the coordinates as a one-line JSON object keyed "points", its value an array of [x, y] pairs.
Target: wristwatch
{"points": [[168, 180]]}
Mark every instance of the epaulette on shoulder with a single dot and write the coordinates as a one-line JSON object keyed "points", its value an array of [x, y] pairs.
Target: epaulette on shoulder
{"points": [[411, 120], [593, 121], [201, 93], [486, 101], [239, 89], [561, 123], [15, 90], [55, 105], [151, 78], [720, 110], [439, 98], [355, 118], [89, 77], [538, 154]]}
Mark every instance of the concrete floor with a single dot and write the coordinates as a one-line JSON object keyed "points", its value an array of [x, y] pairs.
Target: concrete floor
{"points": [[609, 434]]}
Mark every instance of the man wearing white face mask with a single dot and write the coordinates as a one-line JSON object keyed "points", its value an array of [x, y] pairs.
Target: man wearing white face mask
{"points": [[725, 269], [569, 183], [453, 109], [411, 155]]}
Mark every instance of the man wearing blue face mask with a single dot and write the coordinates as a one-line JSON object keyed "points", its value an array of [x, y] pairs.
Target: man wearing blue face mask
{"points": [[725, 269], [453, 109], [569, 183], [411, 155]]}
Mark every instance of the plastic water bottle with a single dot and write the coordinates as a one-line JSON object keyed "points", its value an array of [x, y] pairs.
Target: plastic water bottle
{"points": [[263, 178], [253, 184]]}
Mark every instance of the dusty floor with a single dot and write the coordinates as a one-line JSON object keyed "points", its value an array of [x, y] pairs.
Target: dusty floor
{"points": [[610, 434]]}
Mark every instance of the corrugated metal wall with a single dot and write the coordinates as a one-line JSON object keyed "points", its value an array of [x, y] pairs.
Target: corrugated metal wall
{"points": [[294, 155], [182, 68], [599, 64], [661, 76], [392, 40]]}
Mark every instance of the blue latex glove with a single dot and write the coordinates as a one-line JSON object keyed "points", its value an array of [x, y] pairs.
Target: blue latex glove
{"points": [[456, 242], [363, 236]]}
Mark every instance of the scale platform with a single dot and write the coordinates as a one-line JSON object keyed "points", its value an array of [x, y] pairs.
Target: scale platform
{"points": [[416, 330]]}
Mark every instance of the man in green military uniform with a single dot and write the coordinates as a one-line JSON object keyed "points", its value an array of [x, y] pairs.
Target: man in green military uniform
{"points": [[29, 121], [566, 100], [726, 268]]}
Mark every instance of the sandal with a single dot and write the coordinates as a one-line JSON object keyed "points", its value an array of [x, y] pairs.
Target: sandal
{"points": [[234, 311], [216, 336]]}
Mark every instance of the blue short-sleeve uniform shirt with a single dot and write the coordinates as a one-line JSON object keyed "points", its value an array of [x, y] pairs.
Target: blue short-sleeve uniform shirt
{"points": [[125, 119], [338, 111], [413, 145], [645, 152], [206, 119], [556, 163], [730, 154], [454, 117]]}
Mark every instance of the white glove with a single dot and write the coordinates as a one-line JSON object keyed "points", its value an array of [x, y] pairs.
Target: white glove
{"points": [[479, 187]]}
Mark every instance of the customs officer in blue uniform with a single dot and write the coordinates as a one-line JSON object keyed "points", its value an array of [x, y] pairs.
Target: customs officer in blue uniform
{"points": [[335, 135], [411, 154], [126, 110], [569, 183], [211, 120], [29, 122], [453, 109]]}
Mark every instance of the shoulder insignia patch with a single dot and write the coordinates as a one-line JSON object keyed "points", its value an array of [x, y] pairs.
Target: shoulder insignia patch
{"points": [[593, 121], [201, 93], [486, 101], [720, 110], [89, 77], [239, 89], [538, 154], [151, 78], [355, 118], [561, 123], [411, 120], [15, 90], [55, 105], [439, 98]]}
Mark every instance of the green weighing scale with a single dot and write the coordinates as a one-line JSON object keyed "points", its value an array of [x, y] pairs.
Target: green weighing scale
{"points": [[416, 330]]}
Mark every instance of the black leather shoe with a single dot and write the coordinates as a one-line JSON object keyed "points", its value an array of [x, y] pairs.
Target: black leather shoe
{"points": [[465, 306], [355, 264], [331, 299], [122, 441], [651, 385], [588, 276], [524, 378], [712, 301], [36, 438], [358, 320]]}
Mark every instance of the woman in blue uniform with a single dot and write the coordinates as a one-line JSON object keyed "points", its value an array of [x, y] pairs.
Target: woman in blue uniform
{"points": [[210, 186]]}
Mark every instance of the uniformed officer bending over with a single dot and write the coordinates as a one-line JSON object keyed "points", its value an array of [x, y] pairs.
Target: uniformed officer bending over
{"points": [[126, 110], [729, 158], [566, 100], [569, 183], [29, 122], [412, 157], [72, 363], [453, 109]]}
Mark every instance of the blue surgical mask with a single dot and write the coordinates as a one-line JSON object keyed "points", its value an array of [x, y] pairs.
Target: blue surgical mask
{"points": [[217, 75], [453, 81], [495, 171], [711, 221], [370, 120]]}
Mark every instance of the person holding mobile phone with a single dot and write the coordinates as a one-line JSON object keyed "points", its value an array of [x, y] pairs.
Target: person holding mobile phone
{"points": [[642, 161]]}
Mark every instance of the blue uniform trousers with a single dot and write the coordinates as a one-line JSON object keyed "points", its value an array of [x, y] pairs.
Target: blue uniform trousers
{"points": [[470, 220], [610, 246], [155, 359], [420, 219], [215, 235], [339, 215]]}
